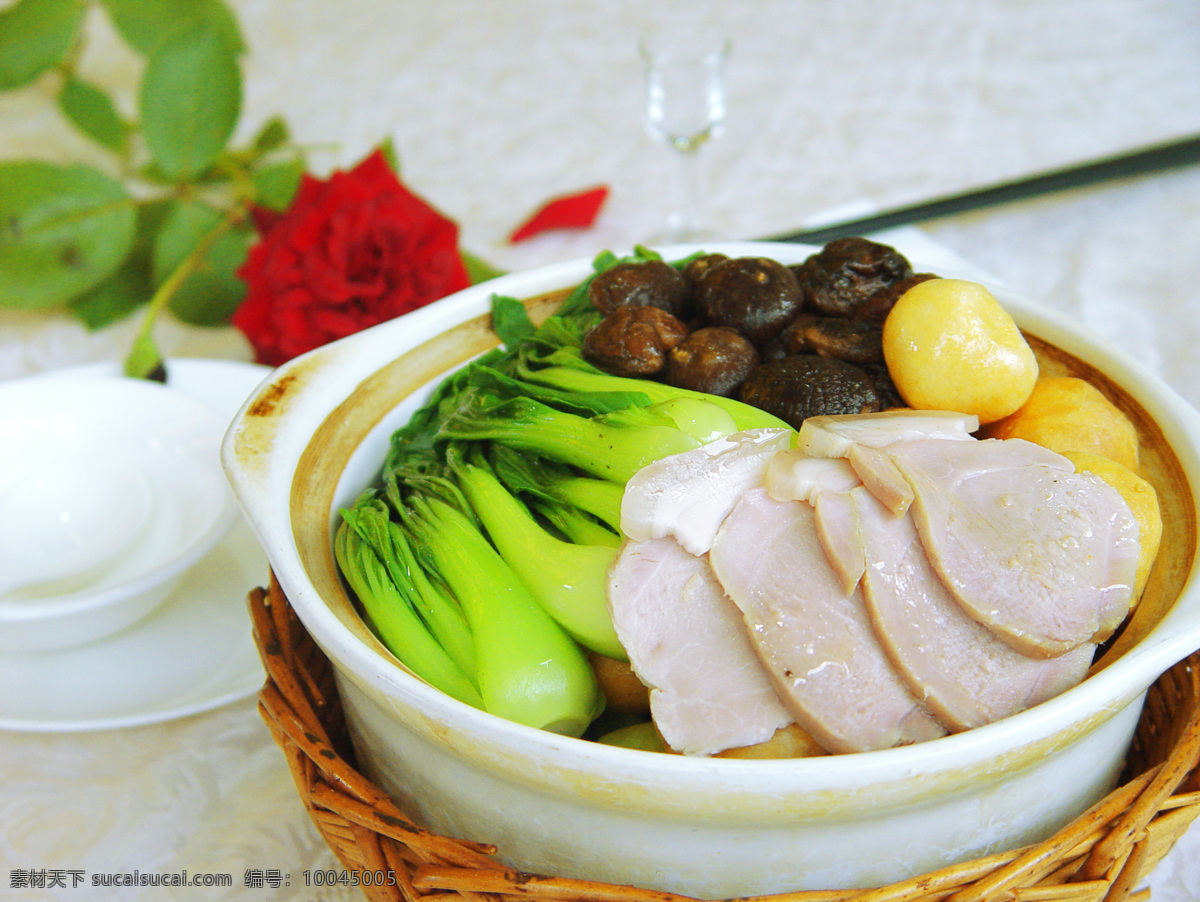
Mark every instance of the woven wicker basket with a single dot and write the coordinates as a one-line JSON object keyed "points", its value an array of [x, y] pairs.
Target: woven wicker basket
{"points": [[1102, 855]]}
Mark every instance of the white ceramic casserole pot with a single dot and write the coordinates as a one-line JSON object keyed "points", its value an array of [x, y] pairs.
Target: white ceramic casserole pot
{"points": [[315, 434]]}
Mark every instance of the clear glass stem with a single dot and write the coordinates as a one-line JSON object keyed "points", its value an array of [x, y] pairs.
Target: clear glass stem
{"points": [[683, 222], [685, 109]]}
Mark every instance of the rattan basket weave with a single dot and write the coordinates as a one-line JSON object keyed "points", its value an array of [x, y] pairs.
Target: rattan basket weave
{"points": [[1102, 855]]}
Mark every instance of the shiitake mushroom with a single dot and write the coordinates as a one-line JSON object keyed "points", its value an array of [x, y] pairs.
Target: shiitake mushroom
{"points": [[848, 271], [756, 296], [852, 340], [797, 340], [633, 341], [694, 269], [876, 308], [644, 283], [713, 359], [889, 395], [806, 385]]}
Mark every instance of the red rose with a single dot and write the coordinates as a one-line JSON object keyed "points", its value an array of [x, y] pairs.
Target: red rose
{"points": [[349, 253]]}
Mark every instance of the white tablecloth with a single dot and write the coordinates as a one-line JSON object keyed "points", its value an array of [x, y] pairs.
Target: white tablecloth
{"points": [[494, 108]]}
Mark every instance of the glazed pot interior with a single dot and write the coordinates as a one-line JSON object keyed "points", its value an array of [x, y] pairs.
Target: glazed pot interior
{"points": [[346, 451]]}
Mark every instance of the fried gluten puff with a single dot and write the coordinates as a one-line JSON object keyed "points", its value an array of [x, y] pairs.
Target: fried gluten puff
{"points": [[1066, 413]]}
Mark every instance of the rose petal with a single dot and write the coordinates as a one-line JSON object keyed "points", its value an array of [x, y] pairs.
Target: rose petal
{"points": [[571, 211], [351, 251]]}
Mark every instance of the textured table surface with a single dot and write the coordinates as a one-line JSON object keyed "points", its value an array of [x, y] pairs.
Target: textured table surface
{"points": [[496, 107]]}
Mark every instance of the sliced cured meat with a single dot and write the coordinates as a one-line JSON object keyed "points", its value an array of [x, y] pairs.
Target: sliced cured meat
{"points": [[687, 642], [688, 495], [795, 476], [1043, 556], [823, 482], [839, 527], [964, 674], [814, 638], [832, 436], [859, 439], [877, 471]]}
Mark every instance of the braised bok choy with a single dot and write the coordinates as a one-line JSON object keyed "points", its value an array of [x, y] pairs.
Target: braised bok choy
{"points": [[480, 556]]}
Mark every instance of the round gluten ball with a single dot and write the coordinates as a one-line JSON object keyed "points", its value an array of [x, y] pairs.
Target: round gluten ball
{"points": [[1066, 413], [950, 345]]}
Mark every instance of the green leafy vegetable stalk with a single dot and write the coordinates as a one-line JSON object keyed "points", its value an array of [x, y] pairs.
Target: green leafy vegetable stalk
{"points": [[504, 490], [554, 483], [610, 446], [567, 579], [392, 611], [528, 669]]}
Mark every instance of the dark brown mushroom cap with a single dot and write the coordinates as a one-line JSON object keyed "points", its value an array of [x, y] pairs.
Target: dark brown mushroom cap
{"points": [[806, 385], [695, 268], [876, 308], [756, 296], [848, 271], [648, 283], [889, 395], [633, 341], [714, 359], [852, 340]]}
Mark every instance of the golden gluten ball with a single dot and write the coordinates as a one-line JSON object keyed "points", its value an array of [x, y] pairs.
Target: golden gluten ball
{"points": [[1141, 498], [787, 742], [950, 345], [1065, 413], [623, 691]]}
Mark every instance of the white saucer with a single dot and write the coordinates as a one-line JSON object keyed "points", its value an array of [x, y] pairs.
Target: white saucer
{"points": [[193, 654]]}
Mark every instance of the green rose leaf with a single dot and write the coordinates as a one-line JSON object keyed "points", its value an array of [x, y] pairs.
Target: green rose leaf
{"points": [[93, 113], [132, 284], [35, 36], [190, 100], [63, 230], [212, 291], [272, 135], [478, 269], [150, 218], [388, 149], [114, 298], [148, 24], [275, 185]]}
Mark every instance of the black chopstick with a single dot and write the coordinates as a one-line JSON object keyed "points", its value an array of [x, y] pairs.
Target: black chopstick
{"points": [[1157, 158]]}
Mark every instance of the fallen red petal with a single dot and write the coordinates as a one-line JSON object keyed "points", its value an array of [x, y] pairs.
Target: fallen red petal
{"points": [[571, 211]]}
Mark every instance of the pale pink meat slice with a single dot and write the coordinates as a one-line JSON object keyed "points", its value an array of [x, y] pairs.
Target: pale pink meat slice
{"points": [[687, 495], [794, 475], [1043, 556], [859, 437], [823, 482], [833, 436], [814, 638], [839, 527], [965, 675], [687, 642], [877, 471]]}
